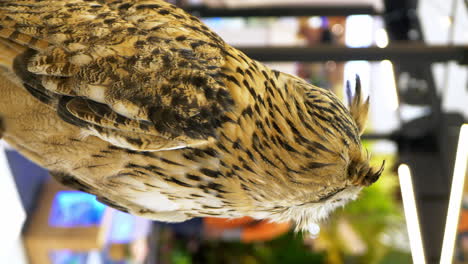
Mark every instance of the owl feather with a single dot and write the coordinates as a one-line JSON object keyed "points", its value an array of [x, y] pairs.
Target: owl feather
{"points": [[142, 105]]}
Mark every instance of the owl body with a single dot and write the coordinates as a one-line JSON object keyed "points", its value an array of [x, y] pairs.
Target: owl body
{"points": [[142, 105]]}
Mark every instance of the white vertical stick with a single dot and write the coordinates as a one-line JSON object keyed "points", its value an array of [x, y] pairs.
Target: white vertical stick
{"points": [[411, 214], [453, 212]]}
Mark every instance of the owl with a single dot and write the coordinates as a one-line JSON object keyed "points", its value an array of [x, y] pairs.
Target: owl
{"points": [[142, 105]]}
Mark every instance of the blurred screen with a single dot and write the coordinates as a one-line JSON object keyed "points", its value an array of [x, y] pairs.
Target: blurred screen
{"points": [[75, 209]]}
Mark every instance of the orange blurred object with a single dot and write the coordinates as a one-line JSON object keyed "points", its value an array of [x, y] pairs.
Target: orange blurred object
{"points": [[463, 223], [250, 230]]}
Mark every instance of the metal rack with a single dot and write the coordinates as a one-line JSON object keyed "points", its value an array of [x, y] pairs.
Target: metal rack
{"points": [[403, 53], [279, 11]]}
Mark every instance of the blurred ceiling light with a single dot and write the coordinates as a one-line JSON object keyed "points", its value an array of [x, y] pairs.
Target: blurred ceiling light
{"points": [[314, 230], [330, 65], [454, 207], [381, 38], [315, 22], [359, 30], [411, 214], [388, 81], [337, 29]]}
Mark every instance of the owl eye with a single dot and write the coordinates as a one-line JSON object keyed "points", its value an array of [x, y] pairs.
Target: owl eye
{"points": [[329, 195]]}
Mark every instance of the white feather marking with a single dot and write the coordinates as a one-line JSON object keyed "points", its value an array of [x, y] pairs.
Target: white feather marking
{"points": [[88, 16], [76, 46], [84, 133], [149, 25], [49, 84], [311, 213], [97, 93], [176, 147], [81, 59], [155, 201], [127, 110], [58, 38]]}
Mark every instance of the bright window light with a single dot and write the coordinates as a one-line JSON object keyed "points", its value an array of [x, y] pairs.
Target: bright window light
{"points": [[411, 214], [359, 30], [381, 38], [388, 82], [458, 182]]}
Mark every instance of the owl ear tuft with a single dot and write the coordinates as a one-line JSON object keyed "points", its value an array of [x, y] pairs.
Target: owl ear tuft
{"points": [[364, 175], [358, 108]]}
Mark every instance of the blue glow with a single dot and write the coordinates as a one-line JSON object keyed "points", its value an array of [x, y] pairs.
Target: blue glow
{"points": [[123, 226], [68, 257], [75, 209]]}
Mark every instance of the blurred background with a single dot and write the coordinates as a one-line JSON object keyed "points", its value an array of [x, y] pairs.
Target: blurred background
{"points": [[412, 59]]}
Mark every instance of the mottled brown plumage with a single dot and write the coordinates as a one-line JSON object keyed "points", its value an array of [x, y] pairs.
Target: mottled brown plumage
{"points": [[142, 105]]}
